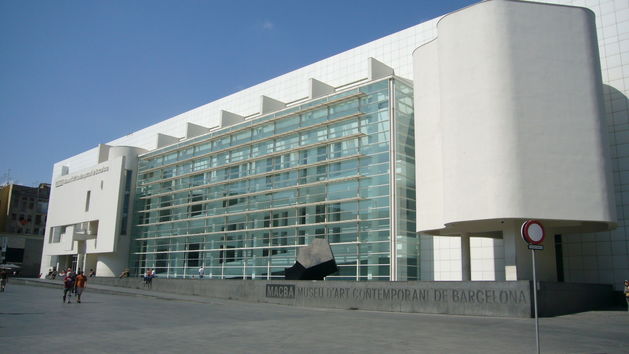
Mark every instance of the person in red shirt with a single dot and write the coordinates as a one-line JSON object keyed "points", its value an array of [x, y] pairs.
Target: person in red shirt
{"points": [[81, 279]]}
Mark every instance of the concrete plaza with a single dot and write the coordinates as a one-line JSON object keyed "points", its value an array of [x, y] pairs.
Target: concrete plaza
{"points": [[113, 320]]}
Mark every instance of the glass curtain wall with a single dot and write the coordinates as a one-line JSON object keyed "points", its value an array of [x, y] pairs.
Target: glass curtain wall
{"points": [[241, 200], [407, 240]]}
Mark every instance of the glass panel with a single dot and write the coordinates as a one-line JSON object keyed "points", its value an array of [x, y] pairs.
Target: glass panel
{"points": [[249, 211]]}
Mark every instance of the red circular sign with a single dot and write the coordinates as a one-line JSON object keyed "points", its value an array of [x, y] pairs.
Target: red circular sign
{"points": [[533, 232]]}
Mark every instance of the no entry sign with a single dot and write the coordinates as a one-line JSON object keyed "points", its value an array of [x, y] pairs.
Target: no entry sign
{"points": [[533, 232]]}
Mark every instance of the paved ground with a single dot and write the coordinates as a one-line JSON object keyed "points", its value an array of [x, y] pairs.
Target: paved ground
{"points": [[111, 320]]}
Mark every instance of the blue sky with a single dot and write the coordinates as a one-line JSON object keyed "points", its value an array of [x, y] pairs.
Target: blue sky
{"points": [[74, 74]]}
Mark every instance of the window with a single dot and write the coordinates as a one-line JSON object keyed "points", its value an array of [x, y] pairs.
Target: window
{"points": [[14, 255], [196, 209], [197, 180], [42, 207], [286, 125], [193, 255], [164, 215], [263, 131], [87, 201], [227, 254]]}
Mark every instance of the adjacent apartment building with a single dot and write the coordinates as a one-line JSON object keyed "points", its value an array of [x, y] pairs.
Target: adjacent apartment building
{"points": [[23, 212], [417, 156]]}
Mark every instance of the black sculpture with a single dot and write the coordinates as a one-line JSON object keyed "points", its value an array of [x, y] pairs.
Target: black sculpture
{"points": [[314, 262]]}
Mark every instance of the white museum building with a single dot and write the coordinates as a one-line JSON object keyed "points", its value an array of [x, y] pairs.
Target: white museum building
{"points": [[417, 156]]}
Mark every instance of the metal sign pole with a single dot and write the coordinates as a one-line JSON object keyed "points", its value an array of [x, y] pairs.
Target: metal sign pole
{"points": [[533, 234], [535, 302]]}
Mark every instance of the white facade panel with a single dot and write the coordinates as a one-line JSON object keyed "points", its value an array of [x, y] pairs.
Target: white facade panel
{"points": [[85, 213], [69, 204]]}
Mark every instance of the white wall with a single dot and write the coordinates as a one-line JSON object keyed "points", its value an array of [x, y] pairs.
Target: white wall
{"points": [[603, 257], [67, 203], [520, 120], [68, 207]]}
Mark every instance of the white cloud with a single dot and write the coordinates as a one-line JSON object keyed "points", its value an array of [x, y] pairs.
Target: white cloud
{"points": [[267, 25]]}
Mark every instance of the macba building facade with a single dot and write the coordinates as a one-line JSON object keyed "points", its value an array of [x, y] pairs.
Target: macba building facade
{"points": [[416, 156]]}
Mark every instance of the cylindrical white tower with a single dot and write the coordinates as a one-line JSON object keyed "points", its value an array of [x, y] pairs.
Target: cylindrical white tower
{"points": [[509, 125]]}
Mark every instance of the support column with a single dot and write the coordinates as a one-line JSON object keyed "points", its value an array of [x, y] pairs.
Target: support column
{"points": [[466, 267], [80, 259], [511, 266]]}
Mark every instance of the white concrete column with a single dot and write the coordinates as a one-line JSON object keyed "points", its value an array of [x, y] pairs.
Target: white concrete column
{"points": [[466, 267], [80, 259], [511, 267]]}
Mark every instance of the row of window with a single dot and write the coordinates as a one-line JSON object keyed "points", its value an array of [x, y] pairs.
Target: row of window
{"points": [[360, 230], [270, 146], [264, 130], [216, 171], [367, 204], [26, 230], [288, 163], [216, 231], [302, 182], [370, 125], [24, 204], [264, 186], [288, 184], [40, 219]]}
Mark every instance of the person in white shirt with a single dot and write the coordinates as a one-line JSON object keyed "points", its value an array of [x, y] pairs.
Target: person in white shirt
{"points": [[201, 272]]}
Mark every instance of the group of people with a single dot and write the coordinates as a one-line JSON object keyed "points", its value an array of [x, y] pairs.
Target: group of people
{"points": [[52, 274], [73, 283], [148, 276]]}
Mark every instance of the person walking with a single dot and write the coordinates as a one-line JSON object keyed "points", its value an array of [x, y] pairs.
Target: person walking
{"points": [[201, 272], [81, 279], [72, 274], [148, 278], [4, 277], [68, 285]]}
